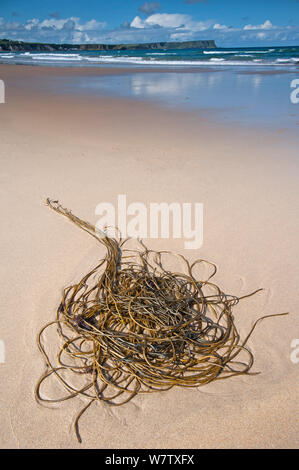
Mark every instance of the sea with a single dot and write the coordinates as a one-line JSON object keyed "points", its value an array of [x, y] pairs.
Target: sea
{"points": [[249, 56]]}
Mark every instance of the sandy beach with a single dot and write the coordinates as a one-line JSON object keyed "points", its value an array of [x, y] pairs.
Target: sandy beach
{"points": [[84, 150]]}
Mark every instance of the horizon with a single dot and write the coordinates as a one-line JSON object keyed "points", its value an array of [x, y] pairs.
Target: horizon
{"points": [[152, 42], [237, 24]]}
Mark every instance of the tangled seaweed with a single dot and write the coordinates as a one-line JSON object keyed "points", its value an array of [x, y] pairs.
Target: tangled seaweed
{"points": [[130, 326]]}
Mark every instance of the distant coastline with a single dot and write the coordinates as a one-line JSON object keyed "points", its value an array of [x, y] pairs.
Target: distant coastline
{"points": [[19, 46]]}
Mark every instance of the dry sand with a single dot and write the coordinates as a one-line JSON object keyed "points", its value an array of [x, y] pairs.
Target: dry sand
{"points": [[84, 151]]}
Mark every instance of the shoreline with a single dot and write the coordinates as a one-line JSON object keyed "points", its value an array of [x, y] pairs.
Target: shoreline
{"points": [[38, 81], [119, 70], [262, 69]]}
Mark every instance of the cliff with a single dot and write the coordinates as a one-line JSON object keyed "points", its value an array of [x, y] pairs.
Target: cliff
{"points": [[151, 45], [16, 46]]}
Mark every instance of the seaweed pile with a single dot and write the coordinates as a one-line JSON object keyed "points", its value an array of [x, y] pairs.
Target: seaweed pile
{"points": [[131, 326]]}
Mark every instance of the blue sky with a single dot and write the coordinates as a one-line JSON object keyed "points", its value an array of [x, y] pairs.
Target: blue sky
{"points": [[228, 22]]}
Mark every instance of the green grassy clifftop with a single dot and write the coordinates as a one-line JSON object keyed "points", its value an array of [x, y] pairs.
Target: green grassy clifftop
{"points": [[15, 46]]}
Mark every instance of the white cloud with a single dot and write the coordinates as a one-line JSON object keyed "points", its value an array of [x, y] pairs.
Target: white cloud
{"points": [[164, 20], [52, 30], [137, 23], [148, 8], [261, 35], [72, 23], [29, 24], [156, 27], [266, 25], [220, 26], [91, 25], [35, 29], [187, 36], [53, 23], [171, 21], [167, 20]]}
